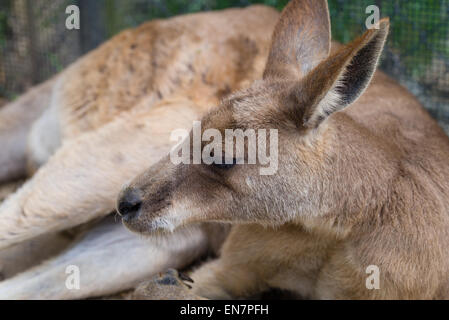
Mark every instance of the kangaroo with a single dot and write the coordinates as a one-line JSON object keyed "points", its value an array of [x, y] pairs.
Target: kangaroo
{"points": [[99, 123], [362, 180]]}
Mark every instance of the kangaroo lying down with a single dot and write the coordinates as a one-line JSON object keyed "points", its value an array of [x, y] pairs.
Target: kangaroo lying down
{"points": [[355, 195], [362, 180], [101, 122]]}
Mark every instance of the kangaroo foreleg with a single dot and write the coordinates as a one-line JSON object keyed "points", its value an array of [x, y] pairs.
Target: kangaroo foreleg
{"points": [[110, 259]]}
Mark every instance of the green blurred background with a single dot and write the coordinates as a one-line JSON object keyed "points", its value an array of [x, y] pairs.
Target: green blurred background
{"points": [[34, 43]]}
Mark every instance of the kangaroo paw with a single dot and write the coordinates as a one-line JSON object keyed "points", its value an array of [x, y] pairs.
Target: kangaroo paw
{"points": [[170, 285]]}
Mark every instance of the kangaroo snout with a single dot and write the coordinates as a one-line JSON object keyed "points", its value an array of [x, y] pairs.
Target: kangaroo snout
{"points": [[129, 203], [147, 199]]}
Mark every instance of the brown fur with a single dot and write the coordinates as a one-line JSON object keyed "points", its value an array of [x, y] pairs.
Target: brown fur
{"points": [[361, 181], [101, 122], [114, 109], [185, 56]]}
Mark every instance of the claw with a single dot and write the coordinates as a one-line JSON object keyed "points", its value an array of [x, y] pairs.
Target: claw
{"points": [[185, 277], [173, 277]]}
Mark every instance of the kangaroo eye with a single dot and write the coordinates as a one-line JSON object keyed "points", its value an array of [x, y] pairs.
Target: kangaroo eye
{"points": [[225, 165]]}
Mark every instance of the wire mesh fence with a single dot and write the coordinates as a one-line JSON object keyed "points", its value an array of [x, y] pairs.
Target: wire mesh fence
{"points": [[34, 43], [417, 51]]}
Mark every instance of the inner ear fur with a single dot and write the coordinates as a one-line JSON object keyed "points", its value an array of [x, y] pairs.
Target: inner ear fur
{"points": [[301, 40], [340, 79]]}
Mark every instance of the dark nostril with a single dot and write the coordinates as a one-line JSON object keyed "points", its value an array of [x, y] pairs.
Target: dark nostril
{"points": [[129, 203]]}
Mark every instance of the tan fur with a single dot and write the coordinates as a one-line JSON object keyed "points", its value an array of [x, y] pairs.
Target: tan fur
{"points": [[102, 121], [110, 260], [361, 181], [200, 57], [16, 119], [115, 108]]}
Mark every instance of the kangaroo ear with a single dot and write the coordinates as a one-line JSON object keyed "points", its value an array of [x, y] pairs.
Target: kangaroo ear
{"points": [[340, 79], [301, 39]]}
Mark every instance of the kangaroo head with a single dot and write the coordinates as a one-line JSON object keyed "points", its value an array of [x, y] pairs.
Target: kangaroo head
{"points": [[297, 103]]}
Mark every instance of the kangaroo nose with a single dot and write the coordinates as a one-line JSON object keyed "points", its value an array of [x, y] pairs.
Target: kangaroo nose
{"points": [[129, 203]]}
